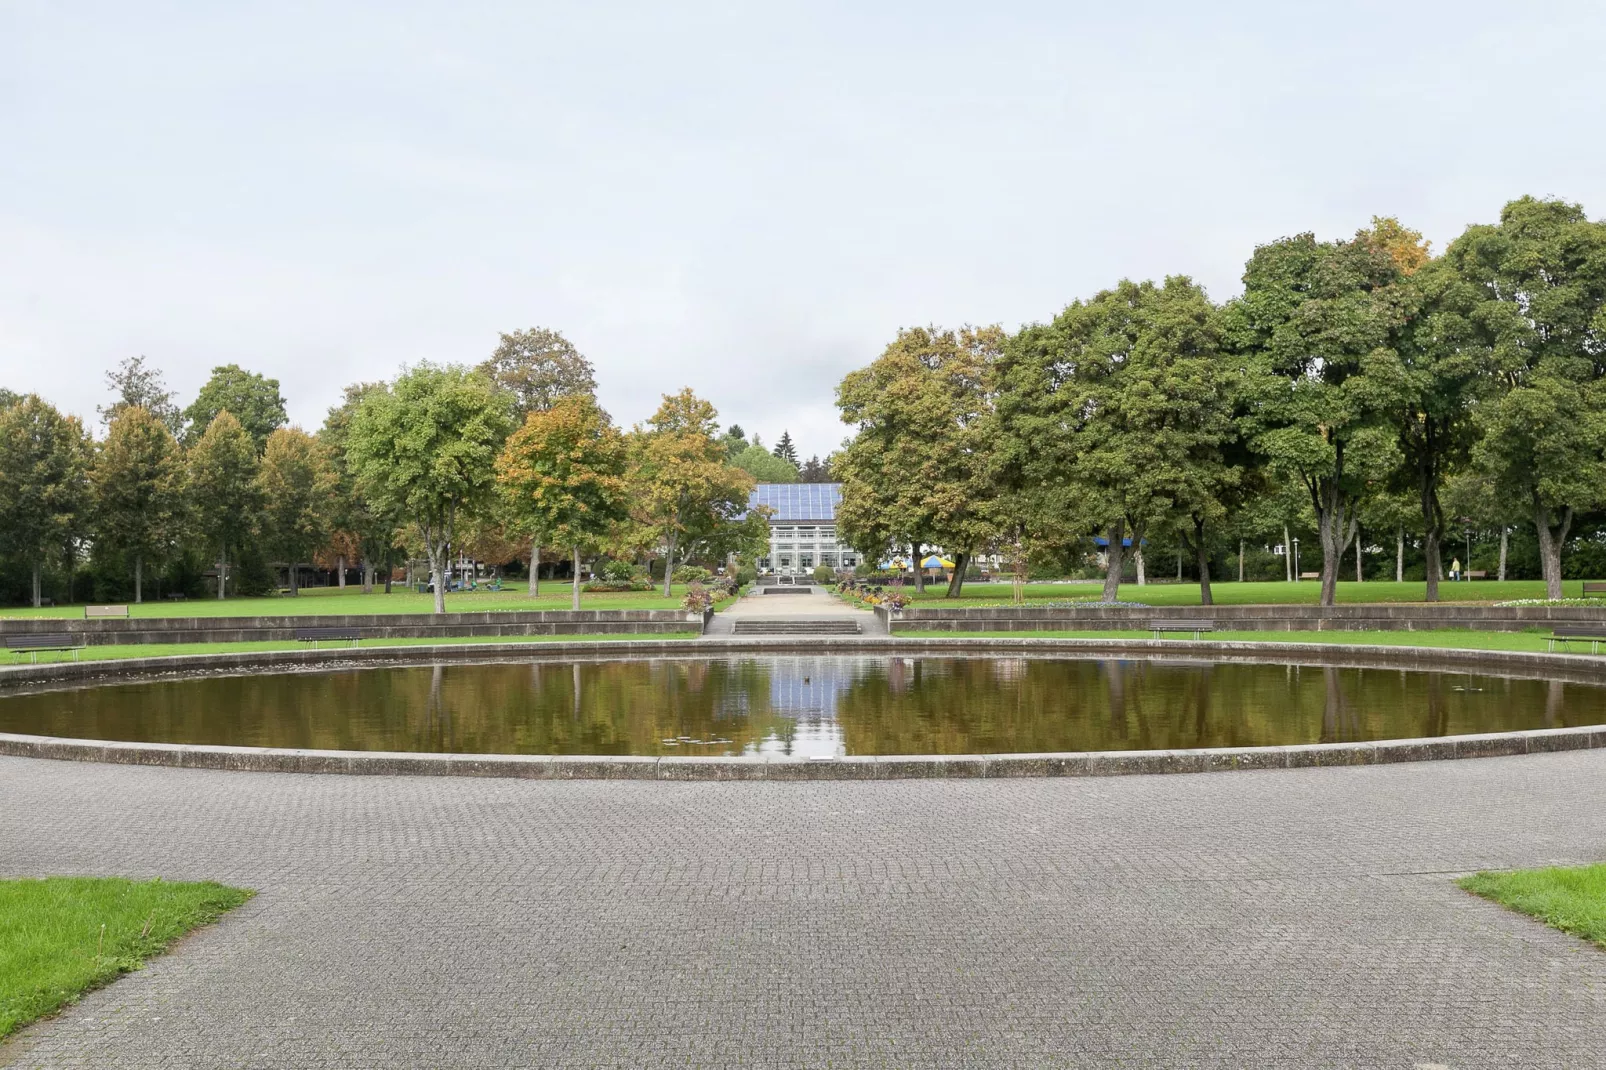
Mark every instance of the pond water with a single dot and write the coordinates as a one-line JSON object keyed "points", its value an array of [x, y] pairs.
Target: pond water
{"points": [[805, 706]]}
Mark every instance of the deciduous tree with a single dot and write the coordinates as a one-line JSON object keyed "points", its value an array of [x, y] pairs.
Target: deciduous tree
{"points": [[134, 384], [225, 500], [539, 366], [426, 449], [296, 483], [138, 479], [44, 485], [564, 473], [764, 466], [253, 399]]}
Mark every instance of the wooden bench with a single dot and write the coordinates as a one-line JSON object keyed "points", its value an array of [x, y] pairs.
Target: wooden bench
{"points": [[1476, 574], [33, 644], [177, 597], [330, 635], [91, 612], [1593, 587], [1310, 575], [1593, 634], [1197, 627]]}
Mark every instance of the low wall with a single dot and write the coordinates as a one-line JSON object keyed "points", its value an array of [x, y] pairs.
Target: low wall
{"points": [[140, 630], [1416, 616]]}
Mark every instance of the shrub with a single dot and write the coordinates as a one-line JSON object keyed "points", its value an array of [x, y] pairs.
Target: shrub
{"points": [[605, 586], [699, 599], [617, 571], [746, 574], [691, 574], [824, 574]]}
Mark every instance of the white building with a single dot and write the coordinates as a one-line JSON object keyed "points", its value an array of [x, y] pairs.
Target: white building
{"points": [[802, 527]]}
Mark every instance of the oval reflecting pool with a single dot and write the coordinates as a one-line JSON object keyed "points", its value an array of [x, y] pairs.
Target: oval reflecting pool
{"points": [[805, 706]]}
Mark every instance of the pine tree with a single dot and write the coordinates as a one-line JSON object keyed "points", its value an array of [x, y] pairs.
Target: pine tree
{"points": [[785, 450]]}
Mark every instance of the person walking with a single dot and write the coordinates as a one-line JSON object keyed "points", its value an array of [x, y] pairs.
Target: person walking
{"points": [[1455, 569]]}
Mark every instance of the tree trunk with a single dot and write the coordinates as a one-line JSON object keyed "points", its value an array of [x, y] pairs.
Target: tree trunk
{"points": [[956, 582], [669, 564], [534, 589], [295, 578], [920, 573], [1336, 528], [1203, 558], [389, 568], [367, 575], [1505, 534], [139, 577], [1114, 560], [1137, 560], [437, 573], [222, 570], [1550, 544], [38, 587], [340, 570], [1240, 560], [574, 602], [1359, 578], [1288, 557], [1399, 554]]}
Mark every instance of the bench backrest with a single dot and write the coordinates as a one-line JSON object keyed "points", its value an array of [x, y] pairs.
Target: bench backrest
{"points": [[43, 641], [1181, 625], [105, 611], [1594, 588], [1580, 631]]}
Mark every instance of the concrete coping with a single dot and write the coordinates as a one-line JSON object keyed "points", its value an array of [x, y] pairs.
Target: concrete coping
{"points": [[770, 767], [1579, 668]]}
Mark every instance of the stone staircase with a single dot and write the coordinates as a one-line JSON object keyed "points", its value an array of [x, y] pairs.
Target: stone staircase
{"points": [[786, 626]]}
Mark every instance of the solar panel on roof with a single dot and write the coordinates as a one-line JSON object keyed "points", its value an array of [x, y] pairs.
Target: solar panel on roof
{"points": [[797, 501]]}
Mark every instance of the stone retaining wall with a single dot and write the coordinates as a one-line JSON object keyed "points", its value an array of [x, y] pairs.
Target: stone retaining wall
{"points": [[1415, 616], [139, 630]]}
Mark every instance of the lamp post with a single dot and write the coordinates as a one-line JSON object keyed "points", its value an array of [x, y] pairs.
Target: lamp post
{"points": [[1296, 558], [1466, 573]]}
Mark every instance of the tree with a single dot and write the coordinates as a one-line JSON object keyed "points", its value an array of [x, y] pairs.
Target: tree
{"points": [[1539, 319], [1319, 324], [357, 523], [426, 449], [225, 499], [296, 483], [734, 440], [254, 401], [537, 367], [685, 488], [44, 486], [135, 385], [785, 450], [815, 470], [138, 479], [764, 466], [564, 471]]}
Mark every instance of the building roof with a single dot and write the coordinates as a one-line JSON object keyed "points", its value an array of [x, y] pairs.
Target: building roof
{"points": [[797, 501]]}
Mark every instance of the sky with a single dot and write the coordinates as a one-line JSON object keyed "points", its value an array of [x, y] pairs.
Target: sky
{"points": [[747, 199]]}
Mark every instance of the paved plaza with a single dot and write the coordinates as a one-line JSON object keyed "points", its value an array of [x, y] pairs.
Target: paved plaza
{"points": [[1284, 919]]}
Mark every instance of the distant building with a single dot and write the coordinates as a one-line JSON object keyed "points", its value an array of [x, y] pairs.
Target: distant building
{"points": [[802, 527]]}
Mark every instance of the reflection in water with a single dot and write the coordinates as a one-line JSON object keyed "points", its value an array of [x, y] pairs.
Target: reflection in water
{"points": [[805, 706]]}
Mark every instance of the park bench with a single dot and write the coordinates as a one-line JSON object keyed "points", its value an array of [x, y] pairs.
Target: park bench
{"points": [[91, 612], [177, 596], [1593, 634], [1197, 627], [1591, 587], [330, 635], [1310, 575], [1476, 574], [33, 644]]}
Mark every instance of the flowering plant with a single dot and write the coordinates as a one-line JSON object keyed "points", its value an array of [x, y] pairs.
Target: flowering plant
{"points": [[699, 599]]}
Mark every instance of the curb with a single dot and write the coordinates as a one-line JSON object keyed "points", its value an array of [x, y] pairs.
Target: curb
{"points": [[891, 767]]}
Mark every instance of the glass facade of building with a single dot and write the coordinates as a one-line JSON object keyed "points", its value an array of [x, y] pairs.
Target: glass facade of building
{"points": [[803, 533]]}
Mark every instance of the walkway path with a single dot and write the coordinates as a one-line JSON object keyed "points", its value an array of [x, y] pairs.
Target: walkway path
{"points": [[805, 603], [1279, 919]]}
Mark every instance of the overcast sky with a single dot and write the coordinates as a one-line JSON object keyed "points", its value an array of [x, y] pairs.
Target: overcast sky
{"points": [[747, 199]]}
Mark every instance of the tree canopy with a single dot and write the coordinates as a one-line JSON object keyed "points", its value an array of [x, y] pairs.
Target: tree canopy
{"points": [[538, 366], [138, 479], [253, 399]]}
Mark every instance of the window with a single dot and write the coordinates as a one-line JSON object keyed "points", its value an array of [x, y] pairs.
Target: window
{"points": [[786, 560], [805, 560], [849, 561], [828, 560], [783, 546], [807, 533], [763, 564]]}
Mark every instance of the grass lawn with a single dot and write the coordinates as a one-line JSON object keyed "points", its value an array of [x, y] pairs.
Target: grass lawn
{"points": [[1242, 594], [61, 936], [1571, 898], [157, 650], [327, 601], [1450, 638]]}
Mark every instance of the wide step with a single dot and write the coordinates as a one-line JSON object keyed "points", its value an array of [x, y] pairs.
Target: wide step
{"points": [[841, 626]]}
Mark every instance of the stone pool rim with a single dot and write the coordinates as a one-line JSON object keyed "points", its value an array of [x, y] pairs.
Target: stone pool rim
{"points": [[1570, 667]]}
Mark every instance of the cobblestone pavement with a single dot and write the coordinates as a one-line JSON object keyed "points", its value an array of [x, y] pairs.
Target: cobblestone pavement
{"points": [[1282, 919]]}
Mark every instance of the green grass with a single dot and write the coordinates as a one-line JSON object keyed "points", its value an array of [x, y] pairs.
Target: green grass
{"points": [[1572, 898], [157, 650], [1305, 592], [1448, 638], [332, 601], [61, 936]]}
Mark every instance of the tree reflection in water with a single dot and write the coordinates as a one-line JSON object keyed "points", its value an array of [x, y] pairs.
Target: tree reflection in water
{"points": [[804, 705]]}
